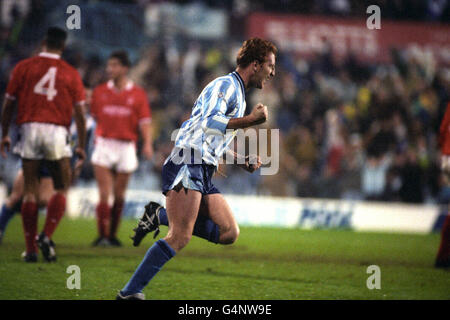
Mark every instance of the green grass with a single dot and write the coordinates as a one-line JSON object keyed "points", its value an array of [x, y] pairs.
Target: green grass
{"points": [[265, 263]]}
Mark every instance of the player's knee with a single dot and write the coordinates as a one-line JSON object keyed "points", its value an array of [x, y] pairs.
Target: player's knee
{"points": [[119, 199], [61, 185], [103, 197], [63, 190], [179, 241], [42, 203], [184, 240], [234, 233], [29, 197], [44, 199], [61, 193], [230, 236], [14, 198]]}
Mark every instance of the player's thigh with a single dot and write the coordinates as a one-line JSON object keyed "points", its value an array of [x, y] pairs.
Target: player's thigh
{"points": [[105, 178], [61, 173], [17, 190], [182, 208], [46, 190], [217, 209], [120, 184]]}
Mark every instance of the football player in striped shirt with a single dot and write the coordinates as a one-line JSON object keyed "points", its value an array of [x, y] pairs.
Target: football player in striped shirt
{"points": [[193, 204]]}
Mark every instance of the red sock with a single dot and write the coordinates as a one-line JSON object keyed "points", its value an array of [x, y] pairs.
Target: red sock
{"points": [[29, 212], [103, 214], [116, 213], [444, 248], [55, 211]]}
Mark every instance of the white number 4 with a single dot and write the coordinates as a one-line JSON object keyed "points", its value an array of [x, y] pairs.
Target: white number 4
{"points": [[50, 91]]}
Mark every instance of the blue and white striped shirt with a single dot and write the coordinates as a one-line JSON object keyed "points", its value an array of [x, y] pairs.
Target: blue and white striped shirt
{"points": [[205, 131]]}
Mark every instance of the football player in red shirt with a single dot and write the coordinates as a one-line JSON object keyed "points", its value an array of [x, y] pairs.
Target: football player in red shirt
{"points": [[121, 111], [443, 256], [48, 91]]}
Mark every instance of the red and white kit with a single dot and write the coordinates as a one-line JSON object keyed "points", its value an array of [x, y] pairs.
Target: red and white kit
{"points": [[46, 89], [118, 113]]}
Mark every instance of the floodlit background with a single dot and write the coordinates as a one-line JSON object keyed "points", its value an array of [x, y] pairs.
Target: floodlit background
{"points": [[358, 112], [358, 109]]}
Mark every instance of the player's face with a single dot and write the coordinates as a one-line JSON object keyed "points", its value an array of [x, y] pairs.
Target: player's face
{"points": [[115, 69], [265, 71]]}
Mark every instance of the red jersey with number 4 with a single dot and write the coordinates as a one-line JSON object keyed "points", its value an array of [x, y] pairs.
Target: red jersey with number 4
{"points": [[46, 89], [444, 133], [119, 112]]}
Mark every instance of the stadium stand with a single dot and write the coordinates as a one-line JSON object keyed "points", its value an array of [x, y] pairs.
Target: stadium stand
{"points": [[349, 129]]}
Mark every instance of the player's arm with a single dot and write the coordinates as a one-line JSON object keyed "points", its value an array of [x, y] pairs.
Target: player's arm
{"points": [[249, 163], [80, 122], [79, 105], [14, 87], [94, 106], [216, 119], [257, 116], [145, 128], [7, 114]]}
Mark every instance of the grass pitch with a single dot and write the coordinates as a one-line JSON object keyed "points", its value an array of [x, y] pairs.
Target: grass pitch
{"points": [[265, 263]]}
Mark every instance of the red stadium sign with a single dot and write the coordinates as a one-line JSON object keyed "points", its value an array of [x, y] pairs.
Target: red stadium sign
{"points": [[307, 34]]}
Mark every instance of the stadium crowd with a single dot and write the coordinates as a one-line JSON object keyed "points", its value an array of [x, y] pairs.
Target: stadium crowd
{"points": [[347, 129]]}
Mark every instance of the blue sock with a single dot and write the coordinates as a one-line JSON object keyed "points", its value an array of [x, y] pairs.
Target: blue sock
{"points": [[5, 215], [158, 254], [204, 227]]}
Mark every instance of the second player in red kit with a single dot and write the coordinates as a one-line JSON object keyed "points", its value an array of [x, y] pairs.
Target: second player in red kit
{"points": [[122, 112]]}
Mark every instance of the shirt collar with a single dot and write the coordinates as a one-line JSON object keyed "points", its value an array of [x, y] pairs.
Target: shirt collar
{"points": [[128, 86], [241, 82], [49, 55]]}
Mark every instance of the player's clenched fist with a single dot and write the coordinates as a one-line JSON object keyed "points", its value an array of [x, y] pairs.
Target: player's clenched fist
{"points": [[259, 113], [252, 163]]}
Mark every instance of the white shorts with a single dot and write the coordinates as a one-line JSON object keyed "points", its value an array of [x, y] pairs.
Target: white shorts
{"points": [[115, 154], [43, 141]]}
